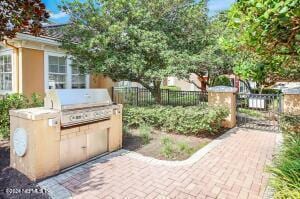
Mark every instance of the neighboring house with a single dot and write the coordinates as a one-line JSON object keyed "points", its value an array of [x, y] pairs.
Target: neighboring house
{"points": [[184, 85], [187, 86], [286, 85], [30, 64], [128, 84]]}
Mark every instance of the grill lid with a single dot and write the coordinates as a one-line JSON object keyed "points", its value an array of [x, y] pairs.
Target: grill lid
{"points": [[63, 99]]}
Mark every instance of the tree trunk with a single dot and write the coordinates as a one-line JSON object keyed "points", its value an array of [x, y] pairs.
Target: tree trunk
{"points": [[203, 83], [156, 92], [157, 96]]}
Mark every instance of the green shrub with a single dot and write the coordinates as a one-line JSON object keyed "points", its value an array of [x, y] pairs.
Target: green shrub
{"points": [[183, 120], [145, 133], [15, 101], [286, 169], [222, 80], [266, 91], [171, 88]]}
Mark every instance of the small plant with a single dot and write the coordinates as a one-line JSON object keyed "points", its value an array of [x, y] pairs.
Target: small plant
{"points": [[145, 133], [183, 147], [166, 140], [167, 149]]}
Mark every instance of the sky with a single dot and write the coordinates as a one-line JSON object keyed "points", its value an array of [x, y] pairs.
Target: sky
{"points": [[59, 17]]}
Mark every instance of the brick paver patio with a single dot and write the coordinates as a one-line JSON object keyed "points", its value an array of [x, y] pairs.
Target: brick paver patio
{"points": [[231, 167]]}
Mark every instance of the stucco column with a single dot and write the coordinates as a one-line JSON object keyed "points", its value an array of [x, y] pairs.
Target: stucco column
{"points": [[224, 96], [291, 101]]}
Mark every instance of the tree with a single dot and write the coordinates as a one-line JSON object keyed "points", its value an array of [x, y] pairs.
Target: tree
{"points": [[135, 40], [212, 60], [222, 80], [21, 15], [266, 35]]}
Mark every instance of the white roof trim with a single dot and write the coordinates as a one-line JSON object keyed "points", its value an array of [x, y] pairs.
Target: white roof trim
{"points": [[26, 37]]}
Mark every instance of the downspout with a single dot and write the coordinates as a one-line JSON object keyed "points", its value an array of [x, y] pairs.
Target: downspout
{"points": [[16, 61]]}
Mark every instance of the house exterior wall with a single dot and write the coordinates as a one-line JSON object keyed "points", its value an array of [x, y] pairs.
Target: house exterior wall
{"points": [[183, 84], [33, 71], [29, 64], [100, 81]]}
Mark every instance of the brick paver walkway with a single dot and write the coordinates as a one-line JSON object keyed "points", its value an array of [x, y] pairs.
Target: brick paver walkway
{"points": [[231, 167]]}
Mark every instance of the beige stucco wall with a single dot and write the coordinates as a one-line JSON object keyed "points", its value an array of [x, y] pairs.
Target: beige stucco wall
{"points": [[291, 104], [224, 99], [32, 71], [33, 74], [184, 85], [42, 155], [100, 81]]}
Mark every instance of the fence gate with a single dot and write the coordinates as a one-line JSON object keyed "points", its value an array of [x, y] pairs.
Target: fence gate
{"points": [[259, 111]]}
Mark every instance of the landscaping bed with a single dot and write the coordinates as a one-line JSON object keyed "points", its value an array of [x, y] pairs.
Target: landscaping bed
{"points": [[171, 133], [166, 146], [12, 180]]}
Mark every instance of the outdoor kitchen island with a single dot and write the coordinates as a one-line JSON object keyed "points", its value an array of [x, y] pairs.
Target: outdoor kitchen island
{"points": [[73, 127]]}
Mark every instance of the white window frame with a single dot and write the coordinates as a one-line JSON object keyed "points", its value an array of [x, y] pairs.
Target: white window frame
{"points": [[9, 52], [69, 70]]}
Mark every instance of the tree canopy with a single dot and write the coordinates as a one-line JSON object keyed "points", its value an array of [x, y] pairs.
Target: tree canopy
{"points": [[213, 60], [266, 36], [136, 40], [21, 15]]}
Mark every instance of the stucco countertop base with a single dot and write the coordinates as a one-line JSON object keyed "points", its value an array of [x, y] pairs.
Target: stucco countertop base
{"points": [[35, 113]]}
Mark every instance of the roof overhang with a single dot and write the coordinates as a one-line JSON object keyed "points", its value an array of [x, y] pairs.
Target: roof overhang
{"points": [[44, 40]]}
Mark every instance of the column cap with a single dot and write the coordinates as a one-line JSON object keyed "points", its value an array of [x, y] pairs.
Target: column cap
{"points": [[222, 89], [291, 91]]}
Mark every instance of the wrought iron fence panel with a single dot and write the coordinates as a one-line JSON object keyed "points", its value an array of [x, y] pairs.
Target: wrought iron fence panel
{"points": [[143, 97], [259, 111]]}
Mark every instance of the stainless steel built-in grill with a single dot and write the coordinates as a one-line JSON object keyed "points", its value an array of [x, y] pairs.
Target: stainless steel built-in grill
{"points": [[79, 106]]}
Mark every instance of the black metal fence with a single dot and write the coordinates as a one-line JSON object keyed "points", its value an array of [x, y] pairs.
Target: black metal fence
{"points": [[143, 97]]}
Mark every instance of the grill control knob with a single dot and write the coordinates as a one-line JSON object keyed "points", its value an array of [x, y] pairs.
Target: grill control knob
{"points": [[72, 118], [86, 116]]}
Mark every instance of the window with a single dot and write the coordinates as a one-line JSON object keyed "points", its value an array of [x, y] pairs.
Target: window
{"points": [[78, 79], [5, 73], [57, 72]]}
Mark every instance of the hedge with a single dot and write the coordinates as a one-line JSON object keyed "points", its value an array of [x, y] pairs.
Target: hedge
{"points": [[183, 120], [15, 101]]}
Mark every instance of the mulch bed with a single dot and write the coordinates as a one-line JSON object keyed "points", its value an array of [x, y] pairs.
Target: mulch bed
{"points": [[133, 142], [14, 184]]}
